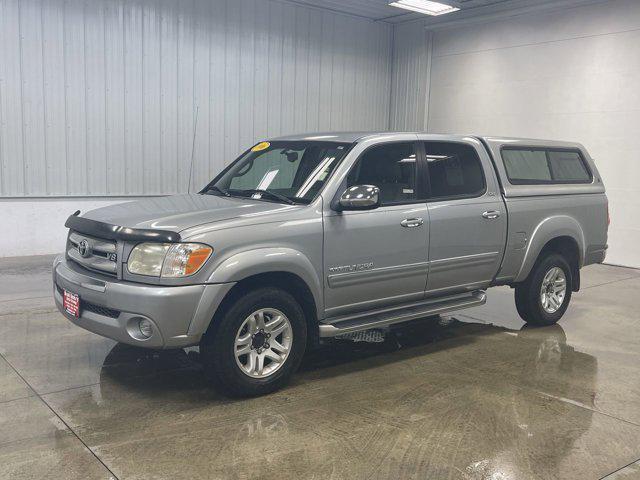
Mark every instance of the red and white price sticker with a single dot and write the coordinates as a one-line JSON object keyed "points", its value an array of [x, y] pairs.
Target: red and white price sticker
{"points": [[71, 303]]}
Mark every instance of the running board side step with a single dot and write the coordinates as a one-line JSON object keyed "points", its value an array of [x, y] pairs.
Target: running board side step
{"points": [[386, 317]]}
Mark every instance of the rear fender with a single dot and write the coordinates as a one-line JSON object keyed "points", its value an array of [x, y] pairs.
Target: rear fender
{"points": [[547, 230]]}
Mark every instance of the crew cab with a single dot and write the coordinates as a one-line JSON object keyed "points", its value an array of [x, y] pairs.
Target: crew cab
{"points": [[311, 236]]}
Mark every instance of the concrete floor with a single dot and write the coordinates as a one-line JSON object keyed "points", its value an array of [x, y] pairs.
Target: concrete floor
{"points": [[472, 396]]}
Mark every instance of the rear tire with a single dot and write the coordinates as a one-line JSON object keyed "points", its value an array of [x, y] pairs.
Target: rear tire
{"points": [[240, 350], [544, 296]]}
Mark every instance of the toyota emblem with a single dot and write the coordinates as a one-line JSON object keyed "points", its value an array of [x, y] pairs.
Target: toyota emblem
{"points": [[83, 248]]}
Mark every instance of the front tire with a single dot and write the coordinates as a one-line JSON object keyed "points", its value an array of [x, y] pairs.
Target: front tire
{"points": [[255, 343], [544, 296]]}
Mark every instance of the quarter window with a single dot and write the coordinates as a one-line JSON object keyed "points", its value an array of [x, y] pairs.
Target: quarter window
{"points": [[541, 165], [454, 170], [390, 167]]}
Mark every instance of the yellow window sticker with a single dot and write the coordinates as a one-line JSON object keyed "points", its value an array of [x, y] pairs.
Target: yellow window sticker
{"points": [[261, 146]]}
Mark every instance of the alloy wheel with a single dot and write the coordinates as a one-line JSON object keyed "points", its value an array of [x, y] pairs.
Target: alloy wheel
{"points": [[553, 290], [263, 343]]}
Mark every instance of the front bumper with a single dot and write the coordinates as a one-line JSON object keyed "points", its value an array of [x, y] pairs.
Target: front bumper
{"points": [[112, 308]]}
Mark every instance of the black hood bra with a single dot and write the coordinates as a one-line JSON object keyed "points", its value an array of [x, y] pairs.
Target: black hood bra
{"points": [[116, 232]]}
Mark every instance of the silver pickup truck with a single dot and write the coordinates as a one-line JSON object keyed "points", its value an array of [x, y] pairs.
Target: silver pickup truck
{"points": [[313, 236]]}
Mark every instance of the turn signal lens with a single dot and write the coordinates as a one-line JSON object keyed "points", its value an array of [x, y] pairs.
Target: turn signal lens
{"points": [[184, 259]]}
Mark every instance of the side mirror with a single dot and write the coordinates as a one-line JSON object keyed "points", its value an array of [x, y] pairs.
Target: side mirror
{"points": [[360, 197]]}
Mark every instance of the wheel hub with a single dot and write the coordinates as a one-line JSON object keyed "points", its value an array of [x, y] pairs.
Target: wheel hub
{"points": [[260, 339]]}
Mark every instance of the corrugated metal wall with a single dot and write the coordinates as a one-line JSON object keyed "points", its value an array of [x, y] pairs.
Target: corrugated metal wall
{"points": [[98, 97], [410, 77]]}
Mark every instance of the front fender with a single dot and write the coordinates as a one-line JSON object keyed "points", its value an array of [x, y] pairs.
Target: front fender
{"points": [[545, 231], [266, 260]]}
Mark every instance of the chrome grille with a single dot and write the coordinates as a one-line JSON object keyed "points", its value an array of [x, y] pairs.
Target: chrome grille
{"points": [[100, 255]]}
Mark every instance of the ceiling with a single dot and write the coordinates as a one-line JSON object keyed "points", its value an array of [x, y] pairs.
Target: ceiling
{"points": [[379, 10]]}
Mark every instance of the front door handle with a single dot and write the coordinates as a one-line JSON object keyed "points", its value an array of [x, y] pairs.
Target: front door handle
{"points": [[411, 222], [491, 214]]}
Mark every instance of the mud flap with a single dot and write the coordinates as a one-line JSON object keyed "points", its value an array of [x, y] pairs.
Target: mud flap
{"points": [[575, 279]]}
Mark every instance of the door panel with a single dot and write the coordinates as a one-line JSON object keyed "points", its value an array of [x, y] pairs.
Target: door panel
{"points": [[372, 260], [465, 247], [378, 257], [467, 217]]}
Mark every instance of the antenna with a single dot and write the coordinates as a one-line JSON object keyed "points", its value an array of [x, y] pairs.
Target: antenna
{"points": [[193, 147]]}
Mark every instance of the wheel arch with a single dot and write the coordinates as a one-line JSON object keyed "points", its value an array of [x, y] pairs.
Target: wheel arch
{"points": [[284, 268], [560, 234], [243, 265], [283, 280]]}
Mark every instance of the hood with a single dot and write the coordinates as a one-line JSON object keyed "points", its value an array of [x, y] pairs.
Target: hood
{"points": [[178, 212]]}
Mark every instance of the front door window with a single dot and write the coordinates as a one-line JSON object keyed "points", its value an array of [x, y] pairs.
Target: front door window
{"points": [[391, 168]]}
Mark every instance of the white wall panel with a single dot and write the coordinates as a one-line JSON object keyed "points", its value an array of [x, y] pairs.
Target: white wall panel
{"points": [[410, 78], [97, 97], [133, 98], [115, 97], [94, 53], [570, 75], [74, 73], [12, 141], [55, 144], [19, 216], [30, 21]]}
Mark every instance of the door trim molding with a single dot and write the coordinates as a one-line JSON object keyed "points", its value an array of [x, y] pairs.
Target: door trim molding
{"points": [[474, 260]]}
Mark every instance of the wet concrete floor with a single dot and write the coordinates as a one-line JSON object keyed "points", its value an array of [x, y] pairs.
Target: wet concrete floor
{"points": [[475, 395]]}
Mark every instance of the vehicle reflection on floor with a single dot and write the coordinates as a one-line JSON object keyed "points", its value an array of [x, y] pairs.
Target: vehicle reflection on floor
{"points": [[501, 411], [543, 352]]}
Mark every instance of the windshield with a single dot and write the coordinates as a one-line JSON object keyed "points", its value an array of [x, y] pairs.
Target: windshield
{"points": [[286, 171]]}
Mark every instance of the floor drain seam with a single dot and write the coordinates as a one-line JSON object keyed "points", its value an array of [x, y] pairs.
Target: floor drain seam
{"points": [[69, 388], [2, 402], [74, 433], [620, 469], [585, 407], [609, 283]]}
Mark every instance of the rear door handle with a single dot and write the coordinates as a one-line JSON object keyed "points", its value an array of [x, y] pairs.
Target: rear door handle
{"points": [[491, 214], [411, 222]]}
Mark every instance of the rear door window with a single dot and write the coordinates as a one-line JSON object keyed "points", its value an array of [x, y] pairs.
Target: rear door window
{"points": [[530, 166], [454, 170]]}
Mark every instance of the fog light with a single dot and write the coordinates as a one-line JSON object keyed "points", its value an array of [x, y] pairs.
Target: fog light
{"points": [[146, 328]]}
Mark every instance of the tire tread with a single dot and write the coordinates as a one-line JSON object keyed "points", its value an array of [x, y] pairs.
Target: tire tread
{"points": [[527, 293], [218, 360]]}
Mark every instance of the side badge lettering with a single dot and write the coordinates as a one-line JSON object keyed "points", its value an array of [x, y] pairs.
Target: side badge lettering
{"points": [[351, 268]]}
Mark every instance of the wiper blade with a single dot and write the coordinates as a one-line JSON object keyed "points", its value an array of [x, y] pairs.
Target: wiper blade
{"points": [[215, 188], [275, 195]]}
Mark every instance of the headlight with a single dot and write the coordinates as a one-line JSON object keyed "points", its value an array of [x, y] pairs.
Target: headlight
{"points": [[147, 258], [168, 260]]}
